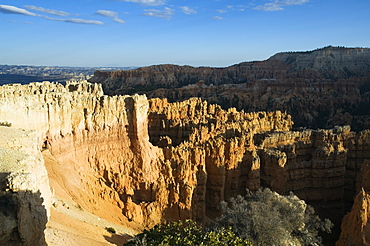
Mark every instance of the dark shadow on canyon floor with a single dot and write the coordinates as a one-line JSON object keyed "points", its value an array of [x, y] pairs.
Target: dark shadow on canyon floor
{"points": [[23, 217], [117, 239]]}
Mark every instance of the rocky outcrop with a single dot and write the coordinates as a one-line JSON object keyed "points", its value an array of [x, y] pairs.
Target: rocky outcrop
{"points": [[103, 140], [25, 195], [329, 62], [355, 225], [317, 165], [320, 88], [127, 158], [234, 151], [209, 152]]}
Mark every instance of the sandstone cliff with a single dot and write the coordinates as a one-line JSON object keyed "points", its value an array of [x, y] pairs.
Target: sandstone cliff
{"points": [[235, 150], [355, 225], [127, 158], [320, 88], [25, 195], [103, 140]]}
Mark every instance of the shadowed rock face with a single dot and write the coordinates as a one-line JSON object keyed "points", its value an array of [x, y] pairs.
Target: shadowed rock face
{"points": [[355, 225], [148, 160], [320, 88]]}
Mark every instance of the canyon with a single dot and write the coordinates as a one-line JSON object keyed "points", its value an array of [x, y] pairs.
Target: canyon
{"points": [[133, 161], [320, 88], [138, 162]]}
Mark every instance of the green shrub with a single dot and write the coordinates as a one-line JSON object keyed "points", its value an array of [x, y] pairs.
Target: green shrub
{"points": [[186, 233], [267, 218], [110, 230]]}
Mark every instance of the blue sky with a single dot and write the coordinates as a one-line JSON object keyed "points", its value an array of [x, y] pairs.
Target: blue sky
{"points": [[215, 33]]}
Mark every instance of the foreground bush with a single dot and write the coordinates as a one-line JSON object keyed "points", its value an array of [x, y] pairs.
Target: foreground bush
{"points": [[267, 218], [186, 233]]}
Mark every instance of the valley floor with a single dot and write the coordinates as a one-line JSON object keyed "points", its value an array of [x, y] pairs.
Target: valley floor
{"points": [[71, 225]]}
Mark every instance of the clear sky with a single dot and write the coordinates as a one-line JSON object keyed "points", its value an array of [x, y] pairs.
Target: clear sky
{"points": [[215, 33]]}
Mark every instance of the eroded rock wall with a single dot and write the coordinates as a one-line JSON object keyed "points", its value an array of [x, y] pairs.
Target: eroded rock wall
{"points": [[25, 195], [102, 139], [328, 63], [251, 150], [209, 151], [355, 225], [147, 160], [320, 88]]}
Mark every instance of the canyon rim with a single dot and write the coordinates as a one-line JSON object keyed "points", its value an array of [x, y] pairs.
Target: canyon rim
{"points": [[198, 137]]}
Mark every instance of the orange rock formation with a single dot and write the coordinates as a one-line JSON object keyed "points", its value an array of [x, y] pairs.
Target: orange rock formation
{"points": [[355, 225], [126, 158]]}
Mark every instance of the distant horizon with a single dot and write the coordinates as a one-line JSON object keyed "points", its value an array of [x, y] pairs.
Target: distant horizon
{"points": [[140, 33], [134, 67], [30, 65]]}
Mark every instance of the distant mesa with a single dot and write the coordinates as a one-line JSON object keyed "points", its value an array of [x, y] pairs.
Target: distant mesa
{"points": [[320, 88]]}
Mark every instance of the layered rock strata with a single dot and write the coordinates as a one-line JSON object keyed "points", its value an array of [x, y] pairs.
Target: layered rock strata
{"points": [[320, 88], [209, 151], [252, 150], [328, 63], [131, 159], [102, 140]]}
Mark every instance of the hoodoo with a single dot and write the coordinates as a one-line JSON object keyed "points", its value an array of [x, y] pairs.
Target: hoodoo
{"points": [[129, 159], [321, 88]]}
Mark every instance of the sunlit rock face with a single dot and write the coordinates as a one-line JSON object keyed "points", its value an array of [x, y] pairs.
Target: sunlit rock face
{"points": [[209, 152], [25, 195], [103, 141], [355, 226], [251, 150], [127, 158]]}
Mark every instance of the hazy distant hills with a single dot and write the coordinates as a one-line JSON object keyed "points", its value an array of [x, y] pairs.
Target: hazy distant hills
{"points": [[26, 74], [328, 63], [319, 88]]}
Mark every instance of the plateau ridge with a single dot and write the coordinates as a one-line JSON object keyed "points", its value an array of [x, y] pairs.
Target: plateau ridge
{"points": [[320, 88]]}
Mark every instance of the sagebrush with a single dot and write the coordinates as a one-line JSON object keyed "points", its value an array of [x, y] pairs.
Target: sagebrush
{"points": [[267, 218]]}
